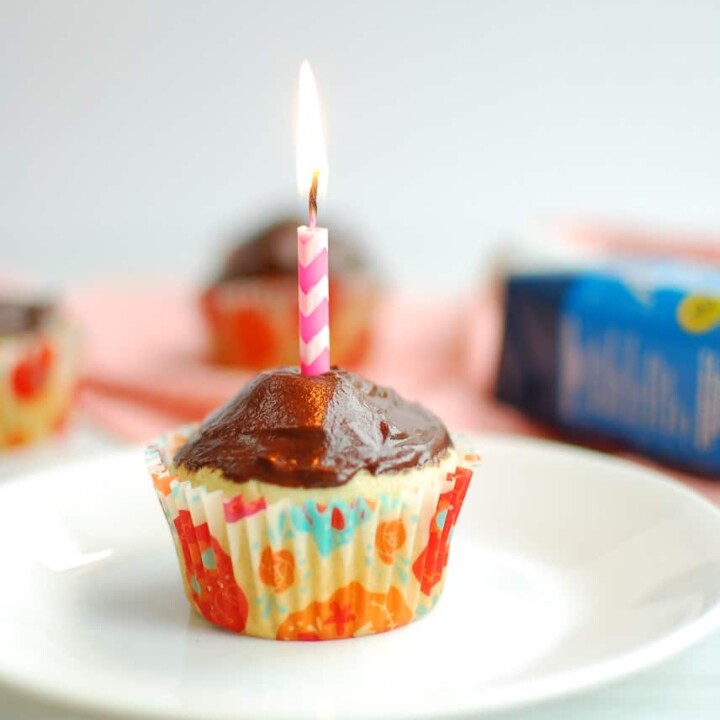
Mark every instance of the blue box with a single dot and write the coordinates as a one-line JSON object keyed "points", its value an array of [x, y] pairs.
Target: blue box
{"points": [[628, 353]]}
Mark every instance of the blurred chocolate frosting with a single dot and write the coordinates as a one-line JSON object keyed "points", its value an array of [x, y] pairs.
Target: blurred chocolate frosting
{"points": [[272, 251], [18, 315]]}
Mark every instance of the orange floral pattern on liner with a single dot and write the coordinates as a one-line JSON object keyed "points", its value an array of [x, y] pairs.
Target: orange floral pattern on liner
{"points": [[277, 569], [309, 571], [389, 537], [350, 611]]}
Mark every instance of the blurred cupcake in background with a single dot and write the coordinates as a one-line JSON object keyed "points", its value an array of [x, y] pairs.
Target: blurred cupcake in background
{"points": [[250, 308], [39, 369]]}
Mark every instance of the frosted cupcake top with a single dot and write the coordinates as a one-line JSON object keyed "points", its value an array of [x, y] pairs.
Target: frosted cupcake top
{"points": [[314, 431]]}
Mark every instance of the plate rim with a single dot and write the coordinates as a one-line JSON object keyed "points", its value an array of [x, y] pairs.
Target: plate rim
{"points": [[556, 686]]}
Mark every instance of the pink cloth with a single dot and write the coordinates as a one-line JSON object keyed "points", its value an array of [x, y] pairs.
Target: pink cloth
{"points": [[146, 369]]}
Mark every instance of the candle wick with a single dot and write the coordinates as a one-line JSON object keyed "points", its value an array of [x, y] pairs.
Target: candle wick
{"points": [[312, 198]]}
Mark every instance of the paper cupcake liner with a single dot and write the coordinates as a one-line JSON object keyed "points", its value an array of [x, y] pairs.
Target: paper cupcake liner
{"points": [[253, 323], [39, 373], [295, 569]]}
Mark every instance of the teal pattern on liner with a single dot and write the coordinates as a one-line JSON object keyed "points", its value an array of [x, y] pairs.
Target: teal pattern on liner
{"points": [[331, 526]]}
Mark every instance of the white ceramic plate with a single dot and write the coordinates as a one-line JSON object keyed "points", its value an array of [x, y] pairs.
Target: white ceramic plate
{"points": [[568, 569]]}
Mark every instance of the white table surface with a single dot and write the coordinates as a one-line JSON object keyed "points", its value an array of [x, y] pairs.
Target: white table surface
{"points": [[684, 688]]}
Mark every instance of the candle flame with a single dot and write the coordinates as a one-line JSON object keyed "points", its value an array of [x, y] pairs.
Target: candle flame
{"points": [[312, 165]]}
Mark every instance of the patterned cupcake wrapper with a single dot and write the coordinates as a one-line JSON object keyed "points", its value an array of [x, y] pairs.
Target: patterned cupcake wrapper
{"points": [[309, 570], [39, 374], [253, 323]]}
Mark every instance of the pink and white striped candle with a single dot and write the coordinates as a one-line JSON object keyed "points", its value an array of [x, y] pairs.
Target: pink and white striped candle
{"points": [[313, 300], [313, 287]]}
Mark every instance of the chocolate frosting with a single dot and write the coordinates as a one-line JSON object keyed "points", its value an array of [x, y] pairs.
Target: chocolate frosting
{"points": [[19, 316], [314, 431], [272, 251]]}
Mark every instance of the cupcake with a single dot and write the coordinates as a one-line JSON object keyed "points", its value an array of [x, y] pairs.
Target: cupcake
{"points": [[311, 507], [250, 309], [38, 370]]}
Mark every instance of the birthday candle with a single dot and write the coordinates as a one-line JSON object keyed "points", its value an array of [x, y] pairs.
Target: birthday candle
{"points": [[313, 286], [313, 300]]}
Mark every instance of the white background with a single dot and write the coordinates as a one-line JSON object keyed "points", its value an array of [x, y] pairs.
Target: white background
{"points": [[136, 135]]}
